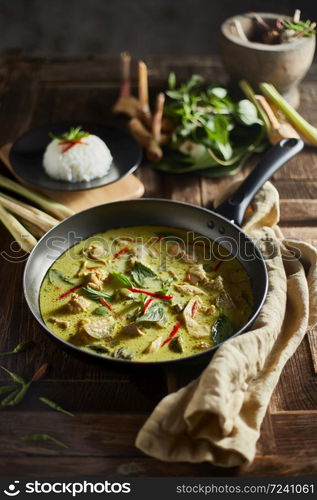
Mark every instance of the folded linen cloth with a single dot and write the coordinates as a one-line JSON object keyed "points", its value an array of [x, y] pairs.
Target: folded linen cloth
{"points": [[217, 418]]}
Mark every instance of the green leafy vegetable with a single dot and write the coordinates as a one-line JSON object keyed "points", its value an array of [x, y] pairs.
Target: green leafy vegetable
{"points": [[19, 348], [140, 272], [100, 349], [221, 329], [154, 313], [73, 134], [36, 438], [55, 406], [122, 279], [54, 276], [213, 135], [305, 27], [246, 112], [101, 311], [96, 294]]}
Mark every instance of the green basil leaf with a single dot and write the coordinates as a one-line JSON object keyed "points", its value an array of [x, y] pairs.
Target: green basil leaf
{"points": [[122, 280], [54, 276], [101, 311], [140, 272], [96, 294], [100, 349], [153, 314], [246, 112], [222, 329]]}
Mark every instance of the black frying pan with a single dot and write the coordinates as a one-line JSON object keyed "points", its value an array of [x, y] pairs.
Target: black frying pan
{"points": [[223, 226]]}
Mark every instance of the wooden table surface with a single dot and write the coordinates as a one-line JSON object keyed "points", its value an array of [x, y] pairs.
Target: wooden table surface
{"points": [[111, 405]]}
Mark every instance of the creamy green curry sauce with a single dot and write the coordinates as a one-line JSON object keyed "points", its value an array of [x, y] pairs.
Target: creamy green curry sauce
{"points": [[146, 293]]}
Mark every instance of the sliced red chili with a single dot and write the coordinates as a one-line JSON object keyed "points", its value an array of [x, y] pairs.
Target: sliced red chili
{"points": [[121, 252], [146, 305], [187, 277], [195, 308], [158, 238], [151, 294], [71, 290], [105, 303], [69, 144], [92, 268], [171, 334]]}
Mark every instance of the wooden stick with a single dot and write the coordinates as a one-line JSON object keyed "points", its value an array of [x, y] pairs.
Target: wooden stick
{"points": [[26, 241], [125, 74], [145, 138], [143, 86], [157, 118]]}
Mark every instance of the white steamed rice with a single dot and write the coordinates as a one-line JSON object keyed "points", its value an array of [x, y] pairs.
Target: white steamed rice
{"points": [[82, 162]]}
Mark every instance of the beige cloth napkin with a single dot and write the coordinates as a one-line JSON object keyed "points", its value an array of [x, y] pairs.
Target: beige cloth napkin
{"points": [[217, 418]]}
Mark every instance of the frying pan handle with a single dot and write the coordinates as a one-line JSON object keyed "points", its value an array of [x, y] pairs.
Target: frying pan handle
{"points": [[235, 207]]}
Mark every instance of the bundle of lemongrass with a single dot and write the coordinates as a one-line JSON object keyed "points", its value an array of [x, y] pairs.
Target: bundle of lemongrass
{"points": [[25, 222], [280, 118], [151, 130]]}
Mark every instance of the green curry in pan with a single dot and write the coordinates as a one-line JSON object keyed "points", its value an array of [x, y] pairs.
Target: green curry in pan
{"points": [[146, 293]]}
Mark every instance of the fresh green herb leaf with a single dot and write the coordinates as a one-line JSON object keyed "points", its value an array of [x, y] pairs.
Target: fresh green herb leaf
{"points": [[96, 294], [54, 276], [101, 311], [73, 134], [23, 346], [140, 272], [55, 406], [213, 135], [122, 280], [221, 329], [154, 313], [100, 349], [246, 112], [36, 438]]}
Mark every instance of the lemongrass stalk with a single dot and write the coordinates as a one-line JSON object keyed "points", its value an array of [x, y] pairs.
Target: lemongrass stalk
{"points": [[250, 94], [35, 210], [36, 219], [32, 228], [306, 129], [53, 207], [19, 233]]}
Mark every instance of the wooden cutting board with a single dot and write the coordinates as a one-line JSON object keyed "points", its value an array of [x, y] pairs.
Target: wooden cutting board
{"points": [[128, 187]]}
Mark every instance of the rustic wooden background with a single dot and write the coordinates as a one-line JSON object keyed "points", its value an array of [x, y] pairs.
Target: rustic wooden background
{"points": [[111, 405]]}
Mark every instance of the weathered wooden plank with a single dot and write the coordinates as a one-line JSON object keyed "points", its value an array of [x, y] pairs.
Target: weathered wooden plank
{"points": [[18, 102], [65, 466], [296, 389], [182, 188], [296, 189], [298, 212]]}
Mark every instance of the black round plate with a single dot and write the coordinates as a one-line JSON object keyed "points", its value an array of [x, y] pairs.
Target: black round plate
{"points": [[27, 152]]}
